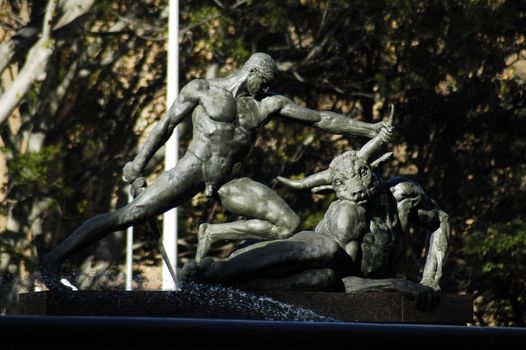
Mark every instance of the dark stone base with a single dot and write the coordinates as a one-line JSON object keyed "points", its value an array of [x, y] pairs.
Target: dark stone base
{"points": [[381, 307], [219, 303]]}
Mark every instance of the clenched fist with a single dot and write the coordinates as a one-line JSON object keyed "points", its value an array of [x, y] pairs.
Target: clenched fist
{"points": [[130, 172]]}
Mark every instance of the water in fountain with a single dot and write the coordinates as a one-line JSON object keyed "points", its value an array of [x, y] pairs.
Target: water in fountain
{"points": [[245, 303]]}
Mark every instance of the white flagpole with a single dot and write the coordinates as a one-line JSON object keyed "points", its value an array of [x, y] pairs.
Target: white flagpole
{"points": [[172, 146], [129, 252]]}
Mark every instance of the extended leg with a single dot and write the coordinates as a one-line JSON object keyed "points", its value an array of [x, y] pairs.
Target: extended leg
{"points": [[271, 217], [321, 280], [275, 259], [171, 189]]}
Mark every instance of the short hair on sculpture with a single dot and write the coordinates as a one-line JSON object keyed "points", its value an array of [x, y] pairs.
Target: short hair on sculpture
{"points": [[263, 64]]}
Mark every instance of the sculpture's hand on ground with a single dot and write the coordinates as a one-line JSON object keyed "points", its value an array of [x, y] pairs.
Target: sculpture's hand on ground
{"points": [[130, 172], [425, 297], [431, 284]]}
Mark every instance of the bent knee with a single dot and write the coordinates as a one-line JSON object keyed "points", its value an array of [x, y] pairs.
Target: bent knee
{"points": [[233, 187], [324, 250], [288, 226], [283, 234], [326, 275]]}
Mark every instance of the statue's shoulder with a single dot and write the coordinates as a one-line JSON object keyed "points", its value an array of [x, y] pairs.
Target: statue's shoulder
{"points": [[344, 204], [274, 102], [345, 212], [195, 86], [402, 188]]}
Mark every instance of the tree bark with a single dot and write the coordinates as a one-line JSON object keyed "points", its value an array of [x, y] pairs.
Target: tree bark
{"points": [[34, 69]]}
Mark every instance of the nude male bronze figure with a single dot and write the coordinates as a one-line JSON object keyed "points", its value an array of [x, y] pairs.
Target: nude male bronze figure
{"points": [[227, 114]]}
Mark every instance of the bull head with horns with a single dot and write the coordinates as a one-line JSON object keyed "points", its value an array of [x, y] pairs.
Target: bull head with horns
{"points": [[350, 174]]}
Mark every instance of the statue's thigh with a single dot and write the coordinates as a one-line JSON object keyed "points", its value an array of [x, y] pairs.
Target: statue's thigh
{"points": [[172, 188], [249, 198]]}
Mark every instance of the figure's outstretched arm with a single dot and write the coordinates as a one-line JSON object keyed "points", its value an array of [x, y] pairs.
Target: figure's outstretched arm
{"points": [[184, 104], [326, 120]]}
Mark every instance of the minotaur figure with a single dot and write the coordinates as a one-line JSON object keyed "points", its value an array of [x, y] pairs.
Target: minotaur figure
{"points": [[358, 244]]}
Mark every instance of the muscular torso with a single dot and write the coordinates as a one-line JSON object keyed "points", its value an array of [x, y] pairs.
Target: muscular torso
{"points": [[371, 238], [224, 132]]}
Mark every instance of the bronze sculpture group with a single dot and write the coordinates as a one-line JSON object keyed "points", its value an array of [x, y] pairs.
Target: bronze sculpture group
{"points": [[355, 246]]}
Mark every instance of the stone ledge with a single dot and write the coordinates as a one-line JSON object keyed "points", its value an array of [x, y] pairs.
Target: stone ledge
{"points": [[282, 305], [381, 307]]}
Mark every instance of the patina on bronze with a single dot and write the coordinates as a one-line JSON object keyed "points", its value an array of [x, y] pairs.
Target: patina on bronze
{"points": [[358, 244], [227, 114]]}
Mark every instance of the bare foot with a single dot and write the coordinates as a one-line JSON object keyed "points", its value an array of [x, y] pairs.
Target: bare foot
{"points": [[189, 271], [50, 269], [203, 243], [192, 271]]}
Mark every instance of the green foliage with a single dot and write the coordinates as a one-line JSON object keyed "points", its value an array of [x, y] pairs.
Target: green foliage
{"points": [[501, 242], [497, 258], [32, 172]]}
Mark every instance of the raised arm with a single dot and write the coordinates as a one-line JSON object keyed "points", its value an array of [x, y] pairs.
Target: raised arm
{"points": [[325, 120], [184, 104]]}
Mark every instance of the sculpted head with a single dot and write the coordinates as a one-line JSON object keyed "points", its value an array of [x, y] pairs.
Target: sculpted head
{"points": [[262, 73], [352, 177], [351, 174]]}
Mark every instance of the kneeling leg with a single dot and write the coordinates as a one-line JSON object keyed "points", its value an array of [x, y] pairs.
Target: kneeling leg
{"points": [[270, 217]]}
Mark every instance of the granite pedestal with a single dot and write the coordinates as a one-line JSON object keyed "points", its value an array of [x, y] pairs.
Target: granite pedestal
{"points": [[232, 304]]}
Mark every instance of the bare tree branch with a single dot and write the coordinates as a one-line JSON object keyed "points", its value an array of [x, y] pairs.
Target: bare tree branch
{"points": [[7, 51], [34, 69], [69, 14], [48, 19]]}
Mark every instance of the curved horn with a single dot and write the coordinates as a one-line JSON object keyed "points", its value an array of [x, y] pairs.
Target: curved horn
{"points": [[391, 114], [319, 179], [380, 139]]}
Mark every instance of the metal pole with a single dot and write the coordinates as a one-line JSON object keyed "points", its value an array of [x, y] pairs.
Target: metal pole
{"points": [[129, 253], [170, 217]]}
